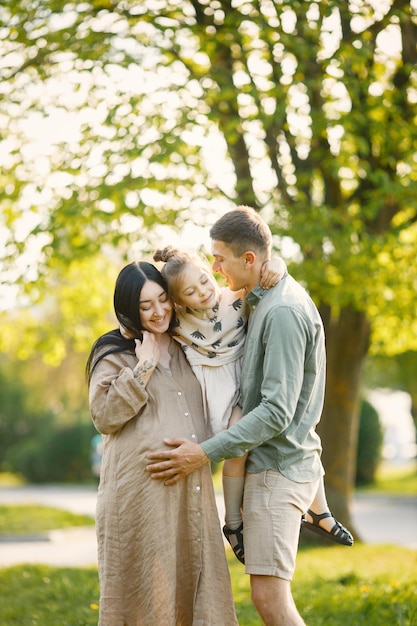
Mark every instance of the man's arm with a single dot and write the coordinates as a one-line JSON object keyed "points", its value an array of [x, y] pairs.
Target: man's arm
{"points": [[265, 421], [172, 465]]}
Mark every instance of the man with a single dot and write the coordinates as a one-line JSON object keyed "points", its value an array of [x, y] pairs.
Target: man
{"points": [[282, 391]]}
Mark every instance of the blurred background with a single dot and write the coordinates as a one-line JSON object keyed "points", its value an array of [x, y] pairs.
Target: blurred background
{"points": [[129, 125]]}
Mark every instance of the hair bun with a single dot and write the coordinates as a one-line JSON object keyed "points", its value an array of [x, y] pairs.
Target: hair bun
{"points": [[165, 254]]}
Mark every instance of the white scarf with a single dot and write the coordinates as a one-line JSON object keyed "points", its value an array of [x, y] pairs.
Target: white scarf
{"points": [[216, 336]]}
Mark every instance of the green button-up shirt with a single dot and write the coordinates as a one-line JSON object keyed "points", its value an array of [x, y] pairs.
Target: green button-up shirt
{"points": [[282, 386]]}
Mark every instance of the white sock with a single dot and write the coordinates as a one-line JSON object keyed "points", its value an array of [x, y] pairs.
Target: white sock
{"points": [[233, 495]]}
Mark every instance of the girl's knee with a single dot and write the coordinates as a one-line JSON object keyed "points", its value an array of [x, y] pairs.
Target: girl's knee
{"points": [[235, 467]]}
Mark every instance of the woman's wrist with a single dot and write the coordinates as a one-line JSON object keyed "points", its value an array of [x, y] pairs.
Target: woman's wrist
{"points": [[143, 371]]}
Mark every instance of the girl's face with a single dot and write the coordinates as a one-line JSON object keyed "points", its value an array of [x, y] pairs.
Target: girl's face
{"points": [[197, 288], [155, 308]]}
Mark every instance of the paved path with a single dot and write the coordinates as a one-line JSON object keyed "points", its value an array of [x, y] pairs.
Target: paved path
{"points": [[378, 520]]}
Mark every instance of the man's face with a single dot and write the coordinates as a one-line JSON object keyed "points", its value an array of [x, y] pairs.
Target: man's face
{"points": [[231, 267]]}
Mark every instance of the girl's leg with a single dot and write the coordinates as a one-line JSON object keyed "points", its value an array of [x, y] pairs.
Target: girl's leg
{"points": [[319, 505], [233, 486], [320, 508], [234, 481]]}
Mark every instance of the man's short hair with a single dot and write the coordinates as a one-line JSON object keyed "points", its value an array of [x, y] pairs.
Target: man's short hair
{"points": [[243, 229]]}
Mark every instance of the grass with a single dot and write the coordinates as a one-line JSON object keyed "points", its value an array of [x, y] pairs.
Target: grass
{"points": [[39, 595], [8, 479], [394, 480], [28, 519], [339, 586], [336, 586], [333, 586]]}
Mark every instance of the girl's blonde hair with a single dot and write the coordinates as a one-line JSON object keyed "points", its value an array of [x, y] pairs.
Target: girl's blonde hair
{"points": [[175, 262]]}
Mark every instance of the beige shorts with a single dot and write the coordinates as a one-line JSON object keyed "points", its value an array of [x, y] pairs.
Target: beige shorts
{"points": [[272, 510]]}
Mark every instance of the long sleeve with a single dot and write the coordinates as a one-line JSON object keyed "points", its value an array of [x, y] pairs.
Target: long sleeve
{"points": [[115, 395], [283, 379]]}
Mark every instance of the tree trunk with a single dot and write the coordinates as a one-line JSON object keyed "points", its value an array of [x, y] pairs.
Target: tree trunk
{"points": [[347, 344]]}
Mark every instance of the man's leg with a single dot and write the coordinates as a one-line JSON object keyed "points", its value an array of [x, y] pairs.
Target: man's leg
{"points": [[272, 510], [273, 600]]}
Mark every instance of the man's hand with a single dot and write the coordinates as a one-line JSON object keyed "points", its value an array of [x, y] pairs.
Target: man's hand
{"points": [[172, 465]]}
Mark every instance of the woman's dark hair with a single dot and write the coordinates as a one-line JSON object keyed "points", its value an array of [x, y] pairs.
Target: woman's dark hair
{"points": [[126, 299]]}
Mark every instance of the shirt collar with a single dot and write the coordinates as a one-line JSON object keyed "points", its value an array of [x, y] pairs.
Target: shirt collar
{"points": [[255, 295]]}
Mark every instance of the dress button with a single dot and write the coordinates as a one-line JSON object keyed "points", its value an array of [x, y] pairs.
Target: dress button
{"points": [[186, 414], [179, 393], [198, 488], [193, 436]]}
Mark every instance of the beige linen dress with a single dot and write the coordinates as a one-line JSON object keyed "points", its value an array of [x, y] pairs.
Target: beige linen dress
{"points": [[160, 551]]}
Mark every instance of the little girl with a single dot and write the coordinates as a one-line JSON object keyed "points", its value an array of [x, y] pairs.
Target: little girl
{"points": [[211, 329]]}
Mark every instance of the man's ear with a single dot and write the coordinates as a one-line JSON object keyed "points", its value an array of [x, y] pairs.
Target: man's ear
{"points": [[249, 258]]}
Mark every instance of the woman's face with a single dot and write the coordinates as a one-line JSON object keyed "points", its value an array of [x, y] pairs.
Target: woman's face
{"points": [[197, 288], [155, 308]]}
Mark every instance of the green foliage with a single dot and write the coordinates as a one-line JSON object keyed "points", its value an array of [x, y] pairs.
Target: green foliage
{"points": [[67, 453], [27, 519], [26, 458], [107, 156], [37, 440], [311, 106], [78, 308], [20, 421], [370, 439], [61, 455]]}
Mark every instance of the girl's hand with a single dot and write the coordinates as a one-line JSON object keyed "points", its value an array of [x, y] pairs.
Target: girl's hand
{"points": [[272, 271]]}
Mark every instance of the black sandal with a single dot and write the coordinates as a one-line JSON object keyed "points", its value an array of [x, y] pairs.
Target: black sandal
{"points": [[238, 548], [338, 533]]}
